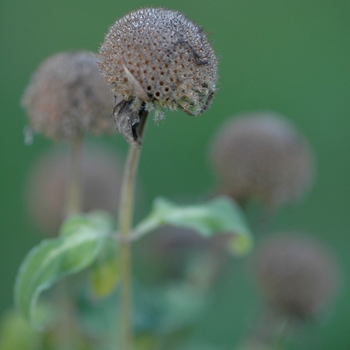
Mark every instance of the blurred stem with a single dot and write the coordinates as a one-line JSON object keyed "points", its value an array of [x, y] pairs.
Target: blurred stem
{"points": [[67, 333], [74, 196], [125, 216], [281, 334], [68, 330]]}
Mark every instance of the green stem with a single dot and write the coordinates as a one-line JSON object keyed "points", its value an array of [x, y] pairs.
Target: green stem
{"points": [[125, 216], [74, 196], [68, 331], [67, 337]]}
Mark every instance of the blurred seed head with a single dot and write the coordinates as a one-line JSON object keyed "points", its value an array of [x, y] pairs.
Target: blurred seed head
{"points": [[157, 58], [262, 156], [68, 97], [47, 184], [178, 253], [297, 275]]}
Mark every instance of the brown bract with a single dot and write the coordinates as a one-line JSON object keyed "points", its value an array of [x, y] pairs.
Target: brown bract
{"points": [[68, 97], [261, 155], [157, 58]]}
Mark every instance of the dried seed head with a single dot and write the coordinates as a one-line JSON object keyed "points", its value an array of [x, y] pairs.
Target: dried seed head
{"points": [[262, 156], [157, 58], [47, 185], [297, 275], [68, 97]]}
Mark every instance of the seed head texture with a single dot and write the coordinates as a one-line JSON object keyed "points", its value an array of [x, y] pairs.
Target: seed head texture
{"points": [[261, 155], [68, 97], [158, 59], [296, 273]]}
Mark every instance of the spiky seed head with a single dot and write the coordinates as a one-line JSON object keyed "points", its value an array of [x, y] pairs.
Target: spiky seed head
{"points": [[158, 59], [48, 182], [297, 274], [261, 155], [68, 97]]}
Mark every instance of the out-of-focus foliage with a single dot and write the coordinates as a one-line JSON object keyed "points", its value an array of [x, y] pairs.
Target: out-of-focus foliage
{"points": [[220, 215], [78, 246]]}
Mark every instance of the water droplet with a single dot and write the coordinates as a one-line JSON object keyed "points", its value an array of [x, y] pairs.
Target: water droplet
{"points": [[28, 135]]}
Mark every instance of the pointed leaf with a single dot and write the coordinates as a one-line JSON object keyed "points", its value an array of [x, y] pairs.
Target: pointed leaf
{"points": [[75, 249], [220, 215]]}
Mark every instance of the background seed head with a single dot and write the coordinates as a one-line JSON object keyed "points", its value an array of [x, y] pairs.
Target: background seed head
{"points": [[261, 155], [47, 185], [158, 56], [68, 97], [297, 274], [176, 253]]}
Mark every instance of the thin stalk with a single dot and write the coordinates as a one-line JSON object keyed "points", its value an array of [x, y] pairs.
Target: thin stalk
{"points": [[74, 190], [125, 216], [68, 337], [68, 331]]}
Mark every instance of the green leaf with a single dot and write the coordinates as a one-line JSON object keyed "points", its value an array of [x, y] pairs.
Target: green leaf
{"points": [[220, 215], [77, 247], [96, 219]]}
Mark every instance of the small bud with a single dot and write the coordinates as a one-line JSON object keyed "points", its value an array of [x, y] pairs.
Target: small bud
{"points": [[297, 275], [156, 58], [46, 190], [262, 156], [68, 97]]}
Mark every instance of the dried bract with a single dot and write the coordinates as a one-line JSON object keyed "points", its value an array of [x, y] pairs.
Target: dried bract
{"points": [[157, 59], [297, 275], [68, 97], [262, 156]]}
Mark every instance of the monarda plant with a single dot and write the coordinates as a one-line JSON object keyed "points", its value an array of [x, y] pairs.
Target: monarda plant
{"points": [[153, 60]]}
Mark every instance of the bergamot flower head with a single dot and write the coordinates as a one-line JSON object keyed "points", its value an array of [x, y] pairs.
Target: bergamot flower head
{"points": [[297, 274], [156, 59], [262, 156], [68, 97]]}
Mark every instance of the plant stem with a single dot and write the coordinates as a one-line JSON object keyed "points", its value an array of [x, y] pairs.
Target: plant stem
{"points": [[68, 331], [125, 216], [74, 196]]}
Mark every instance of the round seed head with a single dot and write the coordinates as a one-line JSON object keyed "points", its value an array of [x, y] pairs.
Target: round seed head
{"points": [[297, 275], [68, 97], [47, 185], [157, 58], [262, 156]]}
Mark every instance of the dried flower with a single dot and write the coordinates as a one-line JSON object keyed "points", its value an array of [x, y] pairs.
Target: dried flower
{"points": [[297, 274], [48, 180], [154, 59], [261, 155], [68, 97]]}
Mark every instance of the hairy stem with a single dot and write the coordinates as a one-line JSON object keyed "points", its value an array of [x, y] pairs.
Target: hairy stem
{"points": [[125, 216], [74, 196]]}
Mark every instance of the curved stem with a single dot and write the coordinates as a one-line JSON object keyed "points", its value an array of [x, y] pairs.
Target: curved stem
{"points": [[125, 216], [74, 196]]}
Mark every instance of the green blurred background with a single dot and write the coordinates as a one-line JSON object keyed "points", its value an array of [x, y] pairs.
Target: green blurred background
{"points": [[289, 56]]}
